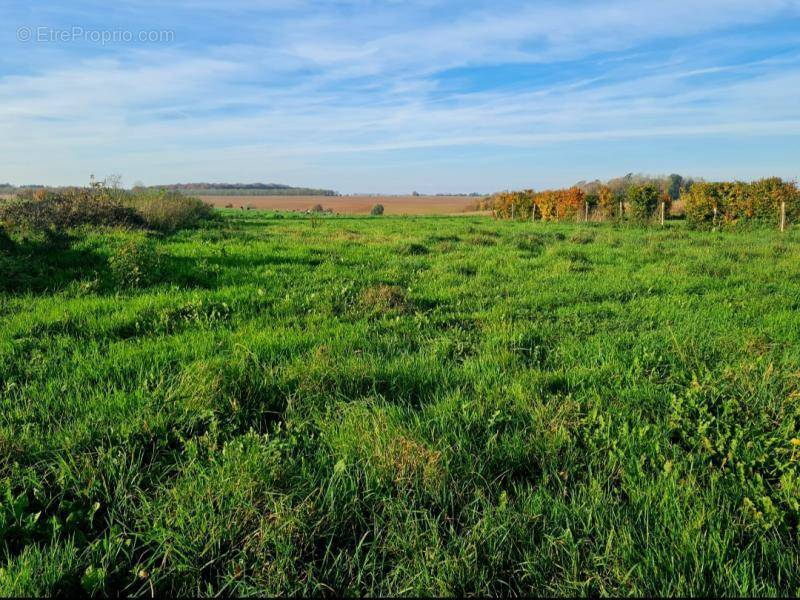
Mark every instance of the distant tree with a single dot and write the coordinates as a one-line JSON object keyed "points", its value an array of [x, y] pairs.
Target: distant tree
{"points": [[674, 186], [377, 210]]}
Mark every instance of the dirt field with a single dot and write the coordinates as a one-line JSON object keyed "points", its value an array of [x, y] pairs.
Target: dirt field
{"points": [[393, 205]]}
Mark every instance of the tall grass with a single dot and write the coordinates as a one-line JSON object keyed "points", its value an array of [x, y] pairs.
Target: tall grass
{"points": [[168, 211]]}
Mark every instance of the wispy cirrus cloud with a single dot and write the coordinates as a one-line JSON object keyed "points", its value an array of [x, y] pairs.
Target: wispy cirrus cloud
{"points": [[322, 86]]}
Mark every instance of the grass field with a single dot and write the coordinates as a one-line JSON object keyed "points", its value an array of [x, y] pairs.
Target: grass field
{"points": [[282, 404], [351, 205]]}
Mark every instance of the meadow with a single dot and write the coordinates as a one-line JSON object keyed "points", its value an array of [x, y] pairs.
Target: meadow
{"points": [[287, 404]]}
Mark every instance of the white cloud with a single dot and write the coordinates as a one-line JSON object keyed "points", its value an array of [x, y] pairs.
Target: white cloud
{"points": [[325, 84]]}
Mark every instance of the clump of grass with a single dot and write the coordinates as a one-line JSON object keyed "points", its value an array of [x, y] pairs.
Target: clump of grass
{"points": [[384, 299], [579, 262], [435, 239], [467, 270], [199, 312], [386, 454], [413, 249], [531, 243], [482, 240], [482, 231], [582, 237], [48, 570]]}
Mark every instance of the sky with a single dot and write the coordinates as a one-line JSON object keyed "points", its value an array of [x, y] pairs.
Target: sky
{"points": [[369, 96]]}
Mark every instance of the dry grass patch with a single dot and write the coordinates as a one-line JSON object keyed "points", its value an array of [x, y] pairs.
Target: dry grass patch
{"points": [[371, 441], [384, 299]]}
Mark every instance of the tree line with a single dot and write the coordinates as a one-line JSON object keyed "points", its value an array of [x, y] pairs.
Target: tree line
{"points": [[643, 199]]}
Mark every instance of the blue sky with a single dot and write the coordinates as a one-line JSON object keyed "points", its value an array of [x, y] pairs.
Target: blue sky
{"points": [[393, 96]]}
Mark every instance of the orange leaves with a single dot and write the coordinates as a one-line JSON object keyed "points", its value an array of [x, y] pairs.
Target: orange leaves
{"points": [[550, 205], [731, 202]]}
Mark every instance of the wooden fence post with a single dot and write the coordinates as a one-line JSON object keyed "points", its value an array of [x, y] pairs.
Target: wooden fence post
{"points": [[586, 211], [783, 215], [620, 210], [533, 212], [714, 223], [663, 205]]}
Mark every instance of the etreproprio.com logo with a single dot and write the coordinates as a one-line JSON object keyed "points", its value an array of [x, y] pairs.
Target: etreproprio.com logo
{"points": [[94, 36]]}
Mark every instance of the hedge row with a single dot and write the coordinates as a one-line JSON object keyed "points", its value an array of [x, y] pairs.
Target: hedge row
{"points": [[550, 205], [732, 203], [638, 202]]}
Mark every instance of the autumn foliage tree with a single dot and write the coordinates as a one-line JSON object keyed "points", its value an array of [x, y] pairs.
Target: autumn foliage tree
{"points": [[736, 203], [606, 202], [550, 205]]}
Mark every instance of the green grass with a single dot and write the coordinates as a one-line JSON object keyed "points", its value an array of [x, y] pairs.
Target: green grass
{"points": [[401, 406]]}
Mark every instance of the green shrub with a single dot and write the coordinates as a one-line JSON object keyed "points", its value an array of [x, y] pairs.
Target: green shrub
{"points": [[736, 203], [99, 205], [73, 207], [643, 201], [377, 210], [135, 263]]}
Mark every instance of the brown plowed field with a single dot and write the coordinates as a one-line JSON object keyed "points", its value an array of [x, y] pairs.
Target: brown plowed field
{"points": [[393, 205]]}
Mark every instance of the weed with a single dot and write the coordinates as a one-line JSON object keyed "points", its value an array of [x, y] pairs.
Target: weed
{"points": [[135, 263]]}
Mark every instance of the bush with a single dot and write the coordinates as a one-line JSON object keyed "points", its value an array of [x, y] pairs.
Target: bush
{"points": [[73, 207], [607, 202], [377, 210], [737, 203], [99, 205], [135, 263], [643, 201], [169, 211]]}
